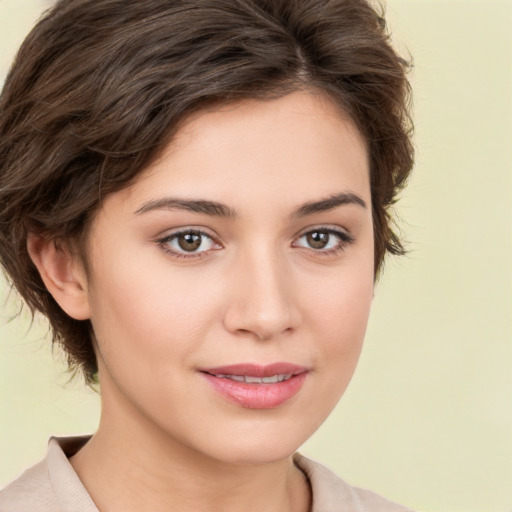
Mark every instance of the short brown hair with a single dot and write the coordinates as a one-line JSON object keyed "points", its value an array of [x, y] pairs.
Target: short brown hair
{"points": [[99, 87]]}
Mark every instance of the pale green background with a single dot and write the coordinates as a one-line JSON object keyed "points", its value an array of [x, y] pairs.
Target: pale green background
{"points": [[427, 420]]}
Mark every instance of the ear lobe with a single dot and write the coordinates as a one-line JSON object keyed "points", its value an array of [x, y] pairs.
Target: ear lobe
{"points": [[62, 274]]}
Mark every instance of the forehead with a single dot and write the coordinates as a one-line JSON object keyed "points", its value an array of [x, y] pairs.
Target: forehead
{"points": [[273, 151]]}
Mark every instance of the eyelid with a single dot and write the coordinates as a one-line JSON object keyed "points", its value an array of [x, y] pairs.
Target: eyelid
{"points": [[344, 233], [168, 232]]}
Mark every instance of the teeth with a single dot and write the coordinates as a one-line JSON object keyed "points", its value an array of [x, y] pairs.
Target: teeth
{"points": [[250, 380], [257, 380]]}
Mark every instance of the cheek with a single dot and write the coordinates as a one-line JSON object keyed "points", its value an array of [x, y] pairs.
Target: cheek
{"points": [[338, 315], [342, 305], [145, 310]]}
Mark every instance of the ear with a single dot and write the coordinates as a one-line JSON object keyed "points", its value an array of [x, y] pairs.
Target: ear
{"points": [[62, 273]]}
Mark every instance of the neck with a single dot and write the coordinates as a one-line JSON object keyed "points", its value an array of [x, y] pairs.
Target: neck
{"points": [[129, 465]]}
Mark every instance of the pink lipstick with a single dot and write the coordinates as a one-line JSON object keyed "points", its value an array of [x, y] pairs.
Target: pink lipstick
{"points": [[254, 386]]}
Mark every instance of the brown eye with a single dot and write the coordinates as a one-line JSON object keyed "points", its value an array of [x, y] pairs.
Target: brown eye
{"points": [[189, 242], [318, 239], [324, 240]]}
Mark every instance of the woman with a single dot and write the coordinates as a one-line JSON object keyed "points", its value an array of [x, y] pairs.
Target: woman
{"points": [[196, 195]]}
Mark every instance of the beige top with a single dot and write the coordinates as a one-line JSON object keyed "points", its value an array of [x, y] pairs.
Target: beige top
{"points": [[53, 486]]}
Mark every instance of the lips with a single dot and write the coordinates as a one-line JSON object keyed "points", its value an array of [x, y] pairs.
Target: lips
{"points": [[254, 386]]}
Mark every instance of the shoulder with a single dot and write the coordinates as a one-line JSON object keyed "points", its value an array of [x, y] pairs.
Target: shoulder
{"points": [[50, 486], [332, 494], [32, 491]]}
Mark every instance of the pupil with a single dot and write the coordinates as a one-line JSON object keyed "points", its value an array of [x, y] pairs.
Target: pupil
{"points": [[189, 241], [318, 239]]}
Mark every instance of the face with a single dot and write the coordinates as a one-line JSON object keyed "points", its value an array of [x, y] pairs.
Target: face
{"points": [[229, 287]]}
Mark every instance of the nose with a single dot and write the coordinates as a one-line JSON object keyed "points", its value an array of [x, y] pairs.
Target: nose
{"points": [[263, 304]]}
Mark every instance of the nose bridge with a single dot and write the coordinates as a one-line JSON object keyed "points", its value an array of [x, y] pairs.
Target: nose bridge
{"points": [[263, 303]]}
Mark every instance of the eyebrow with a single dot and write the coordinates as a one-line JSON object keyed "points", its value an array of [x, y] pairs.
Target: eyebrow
{"points": [[192, 205], [217, 209], [328, 203]]}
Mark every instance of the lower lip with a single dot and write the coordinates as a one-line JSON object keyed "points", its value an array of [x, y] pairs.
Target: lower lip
{"points": [[257, 396]]}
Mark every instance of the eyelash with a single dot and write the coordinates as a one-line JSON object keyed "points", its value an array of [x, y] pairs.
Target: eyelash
{"points": [[344, 239]]}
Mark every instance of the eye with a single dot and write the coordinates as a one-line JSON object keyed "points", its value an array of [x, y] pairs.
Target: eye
{"points": [[188, 243], [324, 240]]}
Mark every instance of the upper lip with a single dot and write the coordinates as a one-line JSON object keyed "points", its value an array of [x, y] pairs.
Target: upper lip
{"points": [[256, 370]]}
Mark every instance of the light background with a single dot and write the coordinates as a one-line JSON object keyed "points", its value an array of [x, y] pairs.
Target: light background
{"points": [[427, 420]]}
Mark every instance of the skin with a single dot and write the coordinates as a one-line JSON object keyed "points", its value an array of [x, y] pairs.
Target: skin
{"points": [[255, 291]]}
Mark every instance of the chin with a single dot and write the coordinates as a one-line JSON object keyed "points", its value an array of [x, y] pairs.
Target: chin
{"points": [[258, 454], [259, 443]]}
